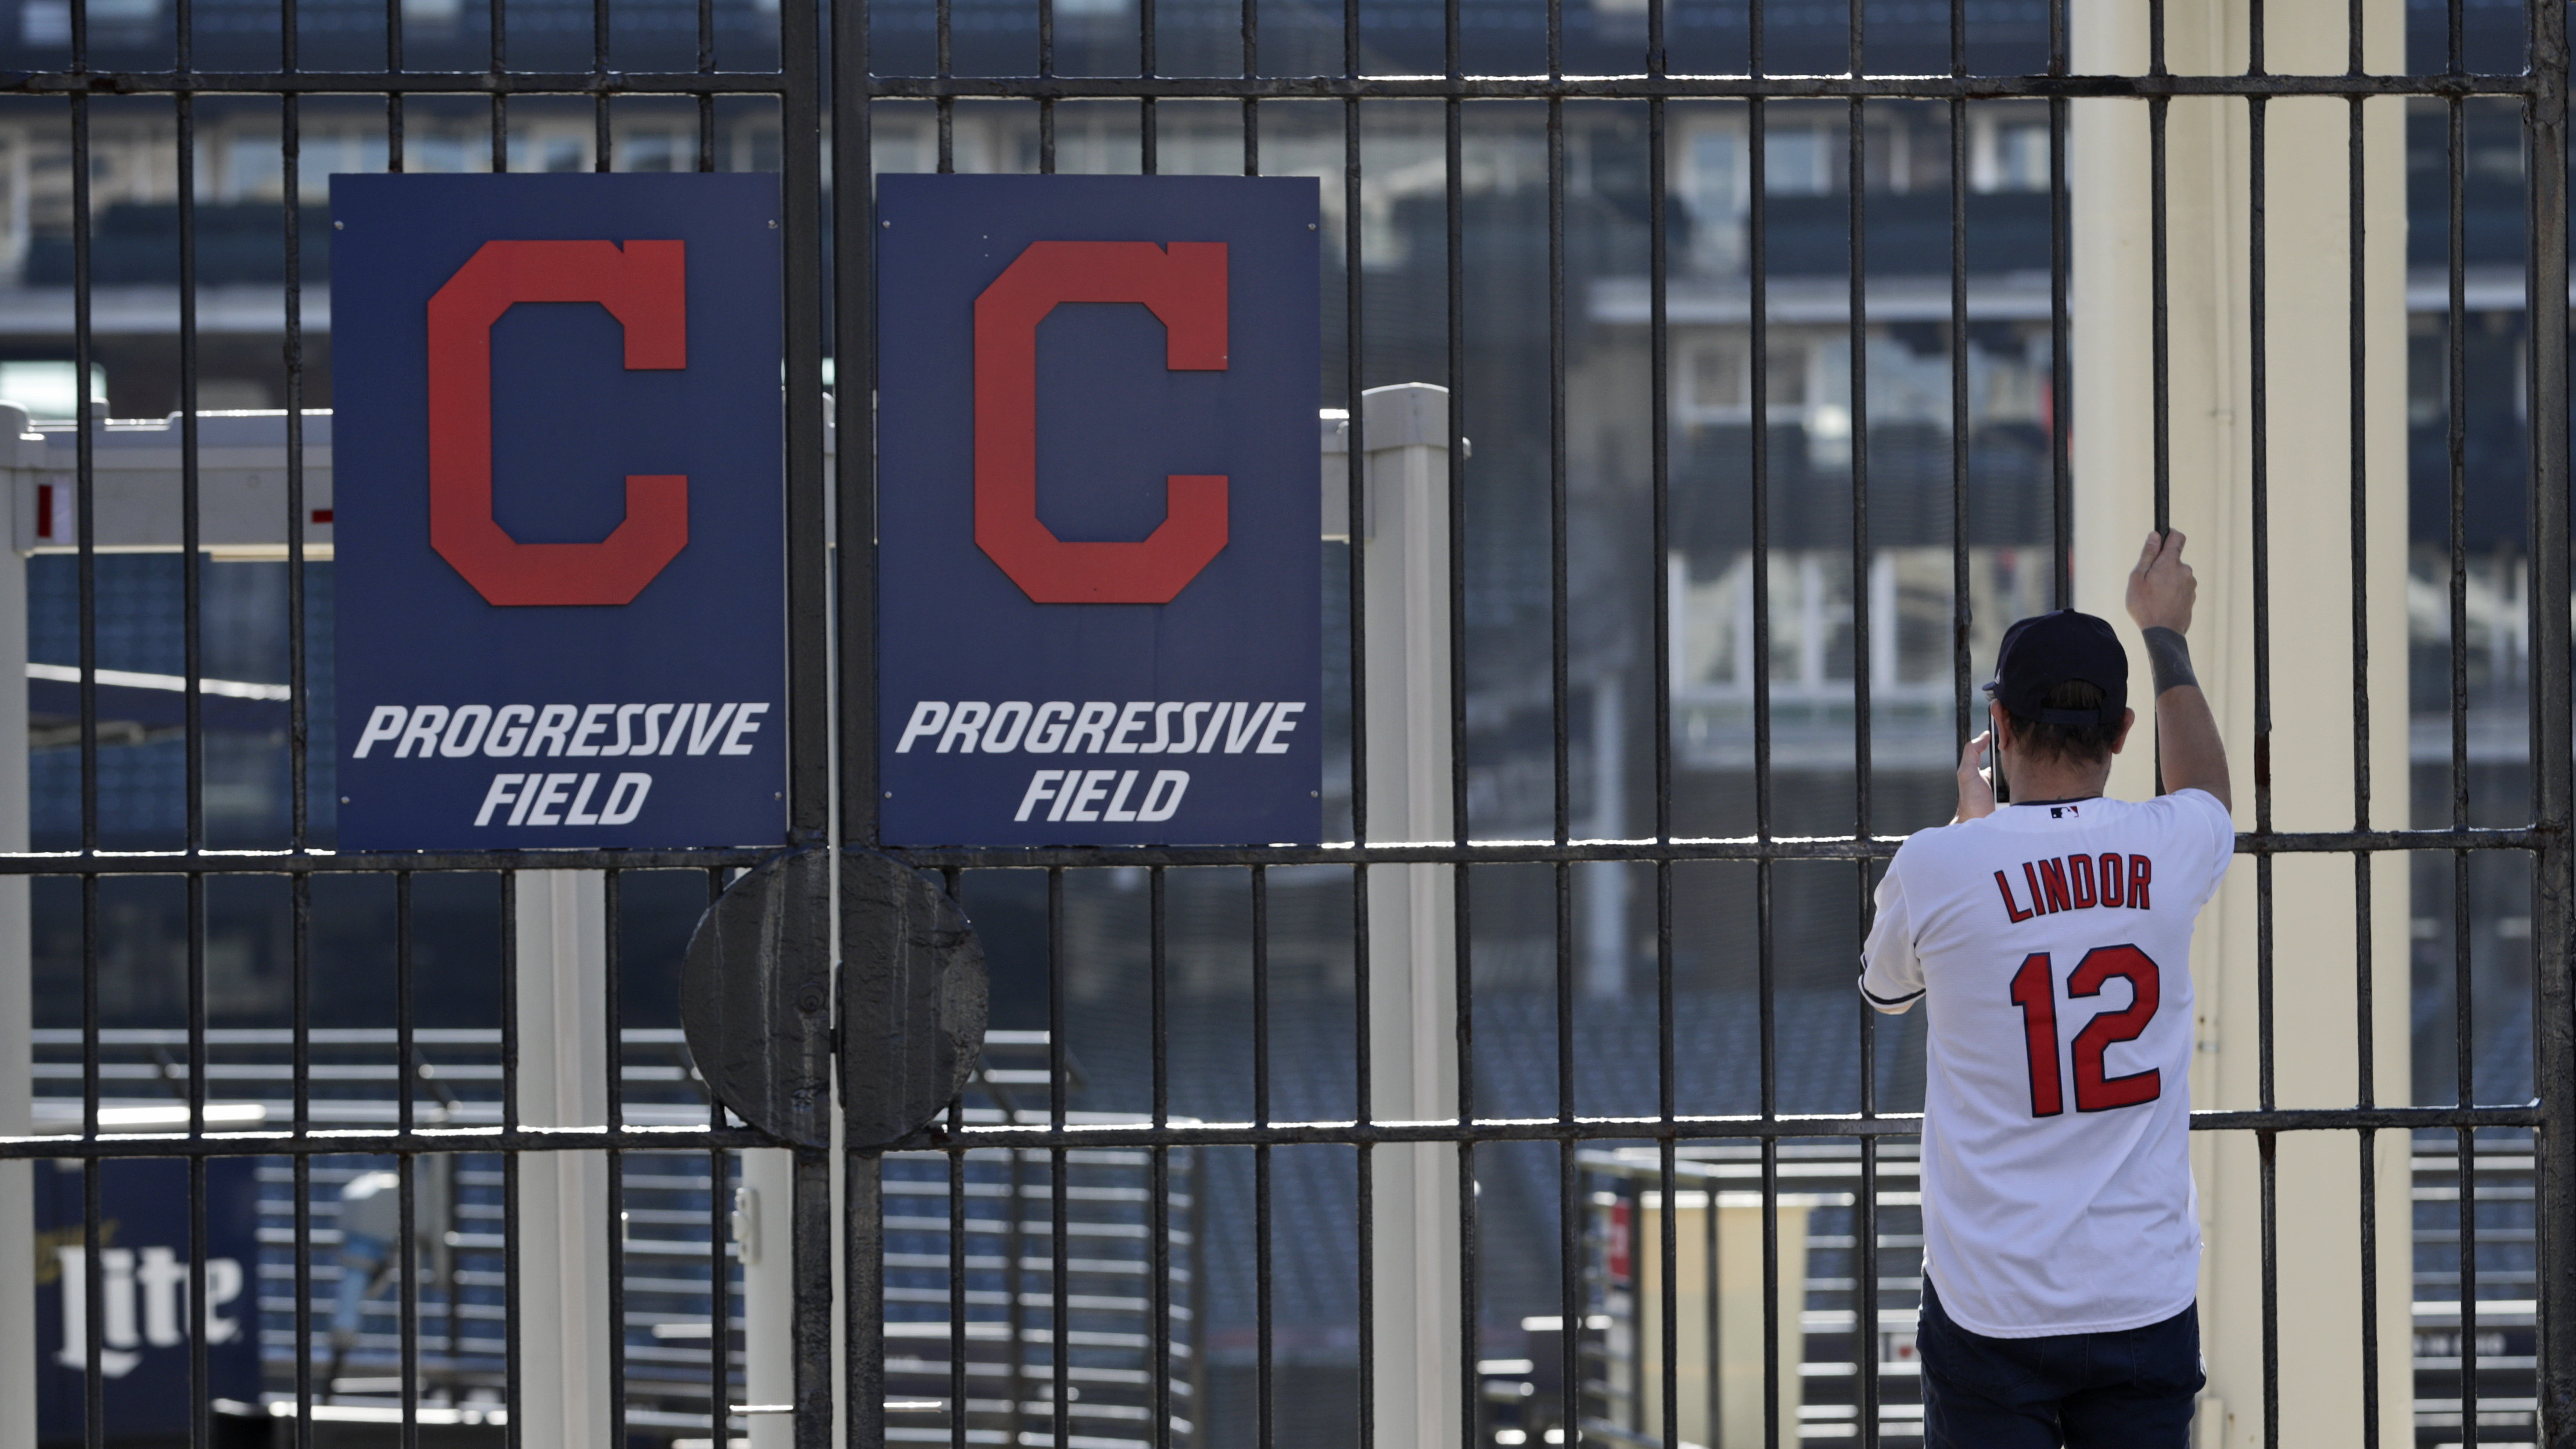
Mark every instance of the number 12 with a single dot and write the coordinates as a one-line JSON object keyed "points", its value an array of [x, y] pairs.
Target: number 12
{"points": [[2034, 991]]}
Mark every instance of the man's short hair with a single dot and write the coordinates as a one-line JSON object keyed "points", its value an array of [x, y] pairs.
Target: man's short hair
{"points": [[2084, 744]]}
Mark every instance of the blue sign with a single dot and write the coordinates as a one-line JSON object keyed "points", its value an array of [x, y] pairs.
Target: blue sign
{"points": [[144, 1321], [559, 494], [1099, 579]]}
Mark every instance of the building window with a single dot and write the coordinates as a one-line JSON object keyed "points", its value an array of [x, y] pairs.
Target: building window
{"points": [[2008, 154]]}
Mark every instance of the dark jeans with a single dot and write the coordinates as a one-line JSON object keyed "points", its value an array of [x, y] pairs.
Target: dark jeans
{"points": [[2127, 1390]]}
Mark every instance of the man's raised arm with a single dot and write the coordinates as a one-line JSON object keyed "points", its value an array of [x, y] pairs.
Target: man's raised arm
{"points": [[2161, 592]]}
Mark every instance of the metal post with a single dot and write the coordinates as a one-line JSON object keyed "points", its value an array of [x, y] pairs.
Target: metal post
{"points": [[1412, 912], [2245, 195], [563, 1196], [2552, 718]]}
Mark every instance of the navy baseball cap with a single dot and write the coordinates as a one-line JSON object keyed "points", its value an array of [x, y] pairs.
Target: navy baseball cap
{"points": [[2047, 650]]}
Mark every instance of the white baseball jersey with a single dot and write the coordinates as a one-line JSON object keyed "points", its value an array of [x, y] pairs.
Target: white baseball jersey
{"points": [[2052, 946]]}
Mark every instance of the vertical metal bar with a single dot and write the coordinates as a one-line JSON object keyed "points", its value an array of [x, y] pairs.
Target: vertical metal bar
{"points": [[2356, 246], [1462, 878], [2259, 489], [2463, 976], [1759, 279], [1046, 104], [393, 99], [193, 747], [810, 1329], [1962, 424], [1146, 157], [2553, 771], [945, 23], [1158, 1156], [406, 1073], [2061, 340], [1266, 1410], [602, 139], [863, 1417], [300, 969], [707, 103], [513, 1342], [85, 431], [1659, 489], [498, 13], [854, 383], [613, 1050], [1356, 460], [1060, 1310], [1865, 1199], [958, 1428], [719, 1258]]}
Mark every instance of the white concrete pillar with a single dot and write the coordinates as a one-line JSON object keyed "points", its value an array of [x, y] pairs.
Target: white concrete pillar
{"points": [[2308, 447], [761, 1232], [564, 1218], [1413, 1063], [17, 1117]]}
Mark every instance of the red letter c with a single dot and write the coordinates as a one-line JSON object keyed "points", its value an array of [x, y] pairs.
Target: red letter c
{"points": [[644, 286], [1185, 288]]}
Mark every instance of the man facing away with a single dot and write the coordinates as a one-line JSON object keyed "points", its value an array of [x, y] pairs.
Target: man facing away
{"points": [[2050, 942]]}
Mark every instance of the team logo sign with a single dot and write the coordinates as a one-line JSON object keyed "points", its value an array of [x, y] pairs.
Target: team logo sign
{"points": [[1100, 594], [559, 511]]}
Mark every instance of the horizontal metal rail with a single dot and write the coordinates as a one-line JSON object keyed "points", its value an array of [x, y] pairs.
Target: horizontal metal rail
{"points": [[1197, 1134], [1506, 852], [1316, 87]]}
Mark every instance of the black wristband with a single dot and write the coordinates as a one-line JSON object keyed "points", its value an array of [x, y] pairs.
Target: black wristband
{"points": [[2170, 658]]}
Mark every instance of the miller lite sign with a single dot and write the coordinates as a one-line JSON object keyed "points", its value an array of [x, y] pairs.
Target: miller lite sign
{"points": [[560, 564], [1100, 576], [146, 1316]]}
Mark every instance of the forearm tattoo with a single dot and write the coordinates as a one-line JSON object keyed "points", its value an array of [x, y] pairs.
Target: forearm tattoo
{"points": [[2170, 658]]}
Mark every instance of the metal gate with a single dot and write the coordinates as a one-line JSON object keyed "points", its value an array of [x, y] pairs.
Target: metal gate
{"points": [[1187, 1071]]}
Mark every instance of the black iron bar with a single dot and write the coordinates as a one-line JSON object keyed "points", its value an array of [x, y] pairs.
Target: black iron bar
{"points": [[2061, 342], [407, 1237], [1159, 1160], [612, 1042], [1251, 26], [1659, 484], [863, 1412], [1356, 463], [1864, 1341], [193, 746], [1643, 850], [809, 581], [1339, 1132], [944, 22], [706, 102], [1962, 425], [513, 1342], [1462, 877], [1264, 1347], [1570, 1201], [1059, 1260], [603, 139], [2462, 973], [2552, 718], [958, 1425], [2258, 277], [1047, 87], [2357, 251]]}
